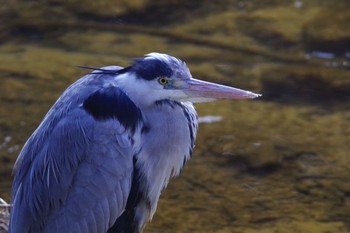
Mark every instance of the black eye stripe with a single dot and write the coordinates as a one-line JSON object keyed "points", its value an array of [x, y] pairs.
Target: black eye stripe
{"points": [[151, 68]]}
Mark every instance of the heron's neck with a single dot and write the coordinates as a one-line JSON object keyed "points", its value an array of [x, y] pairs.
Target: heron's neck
{"points": [[167, 144]]}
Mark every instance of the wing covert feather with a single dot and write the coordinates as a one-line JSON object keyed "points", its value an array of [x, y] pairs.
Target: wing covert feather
{"points": [[78, 179]]}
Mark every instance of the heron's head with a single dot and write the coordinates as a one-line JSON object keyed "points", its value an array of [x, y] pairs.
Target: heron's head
{"points": [[160, 76]]}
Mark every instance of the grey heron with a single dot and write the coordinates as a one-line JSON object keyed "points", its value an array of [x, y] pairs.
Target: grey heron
{"points": [[103, 153]]}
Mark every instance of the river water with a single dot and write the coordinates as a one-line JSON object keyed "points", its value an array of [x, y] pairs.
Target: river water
{"points": [[279, 163]]}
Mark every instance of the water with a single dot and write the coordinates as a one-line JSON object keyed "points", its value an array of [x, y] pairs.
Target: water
{"points": [[275, 164]]}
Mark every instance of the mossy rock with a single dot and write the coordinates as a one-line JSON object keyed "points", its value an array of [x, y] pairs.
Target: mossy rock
{"points": [[318, 86], [328, 31], [278, 27]]}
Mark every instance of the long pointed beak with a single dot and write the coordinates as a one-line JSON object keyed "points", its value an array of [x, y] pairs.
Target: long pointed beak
{"points": [[208, 90]]}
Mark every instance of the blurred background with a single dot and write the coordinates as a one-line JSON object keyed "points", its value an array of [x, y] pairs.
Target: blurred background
{"points": [[275, 164]]}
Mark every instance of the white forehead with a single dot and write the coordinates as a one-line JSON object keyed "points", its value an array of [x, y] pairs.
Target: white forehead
{"points": [[159, 56]]}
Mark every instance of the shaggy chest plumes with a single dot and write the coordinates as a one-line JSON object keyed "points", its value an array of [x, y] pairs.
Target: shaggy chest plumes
{"points": [[174, 143]]}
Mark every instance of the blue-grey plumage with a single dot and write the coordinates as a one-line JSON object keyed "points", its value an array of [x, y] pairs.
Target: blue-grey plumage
{"points": [[101, 156]]}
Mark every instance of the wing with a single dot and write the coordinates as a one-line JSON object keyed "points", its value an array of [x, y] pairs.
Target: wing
{"points": [[74, 174]]}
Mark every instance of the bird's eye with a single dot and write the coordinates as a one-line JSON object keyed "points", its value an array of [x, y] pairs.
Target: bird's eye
{"points": [[163, 81]]}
